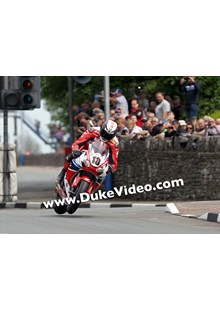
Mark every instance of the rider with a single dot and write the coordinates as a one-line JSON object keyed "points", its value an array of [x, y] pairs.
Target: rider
{"points": [[106, 134]]}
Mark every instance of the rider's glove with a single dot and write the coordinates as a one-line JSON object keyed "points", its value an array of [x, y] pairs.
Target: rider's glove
{"points": [[76, 153]]}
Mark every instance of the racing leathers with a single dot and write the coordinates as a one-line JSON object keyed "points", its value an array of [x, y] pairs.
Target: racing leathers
{"points": [[82, 144]]}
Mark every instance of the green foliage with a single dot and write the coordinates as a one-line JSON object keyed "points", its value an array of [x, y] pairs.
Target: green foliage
{"points": [[55, 91], [210, 95], [215, 114]]}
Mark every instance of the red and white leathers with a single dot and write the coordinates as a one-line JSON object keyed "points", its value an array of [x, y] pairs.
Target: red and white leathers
{"points": [[90, 135]]}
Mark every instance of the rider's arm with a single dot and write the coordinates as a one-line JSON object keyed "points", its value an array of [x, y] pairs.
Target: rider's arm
{"points": [[85, 137], [114, 149]]}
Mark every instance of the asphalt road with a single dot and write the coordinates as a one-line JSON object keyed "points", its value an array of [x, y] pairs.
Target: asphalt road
{"points": [[37, 184], [101, 221]]}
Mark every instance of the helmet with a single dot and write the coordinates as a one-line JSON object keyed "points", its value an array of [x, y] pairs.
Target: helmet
{"points": [[108, 130]]}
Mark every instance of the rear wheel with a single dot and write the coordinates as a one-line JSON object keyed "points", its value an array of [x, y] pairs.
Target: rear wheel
{"points": [[82, 188]]}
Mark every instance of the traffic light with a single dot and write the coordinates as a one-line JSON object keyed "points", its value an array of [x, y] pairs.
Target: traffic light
{"points": [[30, 92], [25, 94]]}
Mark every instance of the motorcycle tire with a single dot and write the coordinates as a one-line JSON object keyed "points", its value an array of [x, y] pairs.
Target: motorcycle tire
{"points": [[60, 209], [82, 188]]}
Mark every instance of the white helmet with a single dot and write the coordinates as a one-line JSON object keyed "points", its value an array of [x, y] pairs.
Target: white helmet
{"points": [[108, 130]]}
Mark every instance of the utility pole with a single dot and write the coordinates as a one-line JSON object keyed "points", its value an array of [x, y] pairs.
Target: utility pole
{"points": [[107, 95], [6, 158], [70, 92]]}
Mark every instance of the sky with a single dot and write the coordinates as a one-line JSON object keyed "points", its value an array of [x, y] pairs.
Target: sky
{"points": [[38, 114]]}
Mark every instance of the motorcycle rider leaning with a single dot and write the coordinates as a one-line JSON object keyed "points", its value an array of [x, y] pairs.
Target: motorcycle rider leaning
{"points": [[106, 134]]}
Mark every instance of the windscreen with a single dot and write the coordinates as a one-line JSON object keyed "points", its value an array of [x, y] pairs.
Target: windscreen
{"points": [[99, 147]]}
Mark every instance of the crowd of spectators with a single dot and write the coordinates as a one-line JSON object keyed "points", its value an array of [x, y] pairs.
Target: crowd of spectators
{"points": [[145, 115]]}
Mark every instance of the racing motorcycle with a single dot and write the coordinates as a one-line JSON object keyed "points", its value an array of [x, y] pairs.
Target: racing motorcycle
{"points": [[92, 166]]}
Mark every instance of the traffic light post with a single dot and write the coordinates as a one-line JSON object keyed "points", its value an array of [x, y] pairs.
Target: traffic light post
{"points": [[5, 148], [16, 93]]}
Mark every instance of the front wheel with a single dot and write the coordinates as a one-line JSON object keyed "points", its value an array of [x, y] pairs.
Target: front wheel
{"points": [[60, 209], [82, 188]]}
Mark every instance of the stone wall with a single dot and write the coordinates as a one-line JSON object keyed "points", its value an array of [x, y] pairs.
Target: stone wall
{"points": [[196, 161]]}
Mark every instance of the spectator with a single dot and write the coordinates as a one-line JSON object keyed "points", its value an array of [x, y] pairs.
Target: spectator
{"points": [[112, 115], [119, 113], [134, 106], [134, 118], [156, 127], [136, 111], [119, 100], [53, 131], [143, 110], [144, 124], [154, 121], [147, 125], [177, 107], [95, 104], [189, 129], [97, 111], [162, 108], [176, 125], [132, 128], [99, 119], [191, 88], [84, 125], [37, 126], [207, 120], [182, 132], [213, 129], [152, 106], [200, 127], [217, 121], [86, 107], [169, 99], [76, 109], [82, 115], [121, 129], [59, 135], [150, 116], [170, 117], [143, 100], [171, 131]]}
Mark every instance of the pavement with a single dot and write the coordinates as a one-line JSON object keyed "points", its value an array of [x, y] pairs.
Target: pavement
{"points": [[101, 221], [36, 184], [198, 208]]}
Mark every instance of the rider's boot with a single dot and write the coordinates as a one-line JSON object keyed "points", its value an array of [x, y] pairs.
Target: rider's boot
{"points": [[60, 176], [69, 158]]}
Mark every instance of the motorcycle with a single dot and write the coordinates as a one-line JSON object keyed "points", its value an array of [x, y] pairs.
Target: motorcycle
{"points": [[92, 166]]}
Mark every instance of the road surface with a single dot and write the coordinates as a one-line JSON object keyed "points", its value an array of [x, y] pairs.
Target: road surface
{"points": [[37, 184], [101, 221]]}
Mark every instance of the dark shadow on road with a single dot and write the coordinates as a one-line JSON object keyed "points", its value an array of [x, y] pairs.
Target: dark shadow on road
{"points": [[70, 216]]}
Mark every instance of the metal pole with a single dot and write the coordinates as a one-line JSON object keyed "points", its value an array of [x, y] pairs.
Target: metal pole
{"points": [[70, 91], [15, 132], [5, 164], [107, 95]]}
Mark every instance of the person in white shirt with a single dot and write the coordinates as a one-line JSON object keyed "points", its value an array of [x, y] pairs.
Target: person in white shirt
{"points": [[132, 128], [120, 101], [162, 108]]}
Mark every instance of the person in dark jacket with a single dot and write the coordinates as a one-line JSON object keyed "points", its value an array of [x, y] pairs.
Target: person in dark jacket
{"points": [[191, 88]]}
